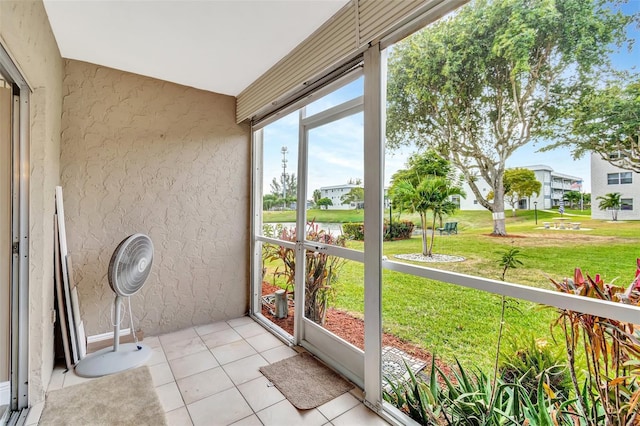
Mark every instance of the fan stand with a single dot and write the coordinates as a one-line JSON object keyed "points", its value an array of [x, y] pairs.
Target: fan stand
{"points": [[116, 358]]}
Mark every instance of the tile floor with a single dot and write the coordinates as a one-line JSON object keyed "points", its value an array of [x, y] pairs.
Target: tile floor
{"points": [[208, 375]]}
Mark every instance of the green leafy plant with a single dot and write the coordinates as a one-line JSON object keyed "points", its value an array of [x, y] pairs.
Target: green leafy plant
{"points": [[526, 359], [611, 348], [321, 269], [399, 230], [419, 400], [508, 260], [465, 398]]}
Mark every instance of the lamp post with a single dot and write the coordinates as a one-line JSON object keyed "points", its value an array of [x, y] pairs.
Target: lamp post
{"points": [[535, 211]]}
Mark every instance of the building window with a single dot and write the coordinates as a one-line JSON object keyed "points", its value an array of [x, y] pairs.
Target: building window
{"points": [[619, 178], [475, 201], [626, 204], [615, 155]]}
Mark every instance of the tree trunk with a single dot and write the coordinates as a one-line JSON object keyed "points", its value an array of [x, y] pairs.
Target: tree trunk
{"points": [[423, 222], [499, 226], [433, 234]]}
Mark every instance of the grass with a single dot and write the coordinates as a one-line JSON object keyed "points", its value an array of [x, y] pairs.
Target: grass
{"points": [[323, 216], [453, 321]]}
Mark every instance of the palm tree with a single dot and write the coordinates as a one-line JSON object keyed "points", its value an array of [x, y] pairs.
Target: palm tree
{"points": [[611, 202], [433, 194]]}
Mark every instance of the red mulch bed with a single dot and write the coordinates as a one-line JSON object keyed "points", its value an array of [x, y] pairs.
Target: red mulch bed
{"points": [[351, 329]]}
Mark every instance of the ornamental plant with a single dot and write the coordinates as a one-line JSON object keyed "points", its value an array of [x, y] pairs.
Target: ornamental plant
{"points": [[611, 395], [321, 269]]}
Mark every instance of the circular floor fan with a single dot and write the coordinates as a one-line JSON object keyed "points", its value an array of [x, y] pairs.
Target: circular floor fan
{"points": [[128, 269]]}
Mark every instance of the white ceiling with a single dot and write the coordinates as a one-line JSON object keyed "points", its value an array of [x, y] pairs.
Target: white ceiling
{"points": [[215, 45]]}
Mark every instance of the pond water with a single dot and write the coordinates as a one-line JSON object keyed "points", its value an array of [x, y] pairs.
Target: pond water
{"points": [[333, 228]]}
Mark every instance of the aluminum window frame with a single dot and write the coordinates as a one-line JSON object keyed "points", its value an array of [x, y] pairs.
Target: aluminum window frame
{"points": [[20, 211]]}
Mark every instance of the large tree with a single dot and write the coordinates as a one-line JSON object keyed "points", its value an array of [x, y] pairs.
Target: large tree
{"points": [[491, 78], [606, 121], [518, 184]]}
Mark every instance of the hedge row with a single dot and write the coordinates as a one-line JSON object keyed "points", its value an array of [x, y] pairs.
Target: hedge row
{"points": [[398, 231]]}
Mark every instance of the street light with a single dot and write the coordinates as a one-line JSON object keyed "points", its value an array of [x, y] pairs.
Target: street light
{"points": [[535, 211]]}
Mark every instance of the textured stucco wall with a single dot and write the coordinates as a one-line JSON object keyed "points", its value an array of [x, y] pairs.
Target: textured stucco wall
{"points": [[143, 155], [25, 32]]}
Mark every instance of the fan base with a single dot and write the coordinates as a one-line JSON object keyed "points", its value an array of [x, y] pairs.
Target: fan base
{"points": [[106, 361]]}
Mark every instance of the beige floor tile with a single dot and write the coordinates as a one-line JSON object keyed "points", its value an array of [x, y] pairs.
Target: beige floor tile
{"points": [[264, 341], [211, 328], [220, 338], [252, 420], [71, 378], [359, 415], [222, 408], [283, 413], [202, 385], [35, 411], [184, 347], [232, 352], [338, 406], [250, 330], [245, 369], [170, 397], [192, 364], [235, 322], [278, 354], [260, 393], [57, 379], [157, 356], [179, 417], [152, 342], [176, 336], [161, 374]]}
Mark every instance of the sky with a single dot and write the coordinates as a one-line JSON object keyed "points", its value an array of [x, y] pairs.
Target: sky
{"points": [[336, 149]]}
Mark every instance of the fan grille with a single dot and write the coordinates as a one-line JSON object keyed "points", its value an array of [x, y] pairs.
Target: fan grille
{"points": [[130, 264]]}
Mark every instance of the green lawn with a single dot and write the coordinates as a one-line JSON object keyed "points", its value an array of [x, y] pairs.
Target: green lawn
{"points": [[452, 321]]}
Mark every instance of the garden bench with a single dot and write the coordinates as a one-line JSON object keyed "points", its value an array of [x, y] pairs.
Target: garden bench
{"points": [[547, 225], [575, 225], [449, 228]]}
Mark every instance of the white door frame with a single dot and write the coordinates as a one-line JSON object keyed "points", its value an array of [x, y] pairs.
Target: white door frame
{"points": [[20, 229], [341, 355]]}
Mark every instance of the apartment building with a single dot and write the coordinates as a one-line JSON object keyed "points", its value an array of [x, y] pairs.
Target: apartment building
{"points": [[607, 178], [335, 194], [554, 186]]}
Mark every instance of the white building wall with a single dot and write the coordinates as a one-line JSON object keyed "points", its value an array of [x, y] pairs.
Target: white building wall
{"points": [[471, 203], [600, 186], [553, 186], [335, 193]]}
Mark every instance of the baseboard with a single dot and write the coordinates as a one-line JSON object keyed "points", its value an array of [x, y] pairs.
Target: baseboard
{"points": [[104, 340], [107, 336], [5, 393]]}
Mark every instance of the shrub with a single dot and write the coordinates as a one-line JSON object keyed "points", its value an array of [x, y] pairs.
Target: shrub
{"points": [[526, 359], [467, 400], [400, 230], [353, 231], [321, 269], [611, 347]]}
